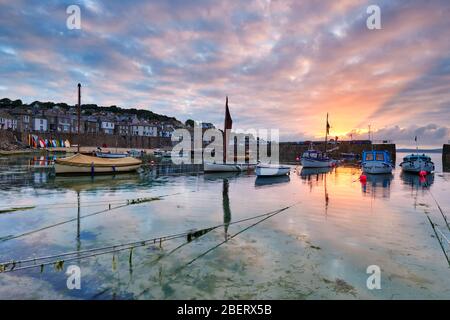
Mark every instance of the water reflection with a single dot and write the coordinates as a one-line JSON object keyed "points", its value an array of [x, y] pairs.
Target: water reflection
{"points": [[226, 207], [416, 181], [268, 181], [314, 173], [213, 176], [377, 183], [85, 183]]}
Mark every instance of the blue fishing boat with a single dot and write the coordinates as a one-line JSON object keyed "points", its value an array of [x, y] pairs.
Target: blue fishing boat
{"points": [[376, 162]]}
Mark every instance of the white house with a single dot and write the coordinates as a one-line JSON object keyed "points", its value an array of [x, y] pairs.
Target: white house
{"points": [[40, 124], [7, 121], [107, 126], [144, 129]]}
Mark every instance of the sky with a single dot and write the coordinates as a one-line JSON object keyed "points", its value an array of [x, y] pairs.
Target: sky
{"points": [[283, 64]]}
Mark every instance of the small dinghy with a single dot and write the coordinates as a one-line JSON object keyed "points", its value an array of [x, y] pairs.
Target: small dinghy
{"points": [[110, 155], [271, 170], [82, 164], [376, 162], [416, 163]]}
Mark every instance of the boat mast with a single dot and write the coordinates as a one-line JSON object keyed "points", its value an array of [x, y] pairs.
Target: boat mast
{"points": [[327, 128], [417, 145], [79, 115]]}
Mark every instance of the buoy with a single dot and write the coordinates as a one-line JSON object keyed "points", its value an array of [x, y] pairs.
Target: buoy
{"points": [[422, 173], [363, 178], [297, 159]]}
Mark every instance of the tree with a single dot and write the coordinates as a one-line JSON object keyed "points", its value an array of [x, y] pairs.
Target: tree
{"points": [[189, 123]]}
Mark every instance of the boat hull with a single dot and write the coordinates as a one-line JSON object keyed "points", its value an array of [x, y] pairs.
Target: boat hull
{"points": [[82, 164], [310, 163], [417, 166], [227, 167], [376, 167], [272, 171], [68, 169]]}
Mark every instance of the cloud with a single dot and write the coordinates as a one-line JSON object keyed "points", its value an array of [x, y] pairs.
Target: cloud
{"points": [[284, 64], [430, 135]]}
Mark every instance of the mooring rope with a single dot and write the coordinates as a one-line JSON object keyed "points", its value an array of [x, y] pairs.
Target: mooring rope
{"points": [[440, 209], [128, 203], [15, 265], [268, 215], [237, 233]]}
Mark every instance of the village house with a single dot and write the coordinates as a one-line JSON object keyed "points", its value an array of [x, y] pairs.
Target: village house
{"points": [[91, 124], [64, 123], [144, 129], [106, 125], [7, 121], [23, 118], [123, 128], [39, 123]]}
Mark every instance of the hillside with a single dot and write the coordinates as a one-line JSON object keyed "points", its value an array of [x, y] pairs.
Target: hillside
{"points": [[87, 109]]}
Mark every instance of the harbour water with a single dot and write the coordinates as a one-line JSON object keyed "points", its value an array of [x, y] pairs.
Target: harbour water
{"points": [[332, 229]]}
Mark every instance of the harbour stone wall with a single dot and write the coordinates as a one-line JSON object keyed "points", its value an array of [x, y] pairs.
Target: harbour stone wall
{"points": [[109, 140], [446, 157], [289, 151]]}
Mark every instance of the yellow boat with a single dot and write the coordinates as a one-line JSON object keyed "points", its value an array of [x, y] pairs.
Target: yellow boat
{"points": [[82, 164]]}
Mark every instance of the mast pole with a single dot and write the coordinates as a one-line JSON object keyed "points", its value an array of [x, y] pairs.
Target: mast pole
{"points": [[79, 115], [326, 134]]}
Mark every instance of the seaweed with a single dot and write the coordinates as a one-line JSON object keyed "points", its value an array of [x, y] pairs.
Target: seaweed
{"points": [[14, 209], [59, 265], [114, 263], [142, 200], [197, 234]]}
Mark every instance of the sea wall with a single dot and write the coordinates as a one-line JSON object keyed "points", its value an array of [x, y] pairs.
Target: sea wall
{"points": [[289, 151], [109, 140], [446, 157]]}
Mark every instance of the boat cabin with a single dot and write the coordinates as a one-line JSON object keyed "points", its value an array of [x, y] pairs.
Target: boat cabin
{"points": [[313, 154], [415, 157], [382, 156]]}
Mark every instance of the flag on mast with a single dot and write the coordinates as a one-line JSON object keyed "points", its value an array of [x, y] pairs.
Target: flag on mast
{"points": [[228, 121], [328, 126], [227, 126]]}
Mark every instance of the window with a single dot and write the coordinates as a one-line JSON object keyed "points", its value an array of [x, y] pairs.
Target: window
{"points": [[369, 157], [380, 157]]}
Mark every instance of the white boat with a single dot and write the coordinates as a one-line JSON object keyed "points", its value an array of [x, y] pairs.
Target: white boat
{"points": [[376, 162], [271, 170], [110, 155], [416, 163], [316, 159], [82, 164]]}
